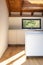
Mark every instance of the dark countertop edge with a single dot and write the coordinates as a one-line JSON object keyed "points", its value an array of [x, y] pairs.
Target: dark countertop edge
{"points": [[27, 29]]}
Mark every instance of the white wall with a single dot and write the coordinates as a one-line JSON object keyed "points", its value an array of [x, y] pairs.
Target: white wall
{"points": [[3, 26], [16, 22]]}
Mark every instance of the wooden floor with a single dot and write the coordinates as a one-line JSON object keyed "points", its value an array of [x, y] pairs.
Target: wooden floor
{"points": [[13, 50]]}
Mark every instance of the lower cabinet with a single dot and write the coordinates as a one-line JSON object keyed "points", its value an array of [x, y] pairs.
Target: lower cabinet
{"points": [[12, 37], [20, 37], [16, 37]]}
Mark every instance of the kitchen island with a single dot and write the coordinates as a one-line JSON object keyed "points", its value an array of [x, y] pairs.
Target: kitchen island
{"points": [[34, 42]]}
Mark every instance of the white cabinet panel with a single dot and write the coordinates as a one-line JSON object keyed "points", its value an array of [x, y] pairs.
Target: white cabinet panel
{"points": [[12, 36], [16, 37], [20, 36]]}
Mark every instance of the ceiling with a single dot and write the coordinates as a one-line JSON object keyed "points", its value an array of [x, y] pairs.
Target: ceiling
{"points": [[14, 5], [17, 6]]}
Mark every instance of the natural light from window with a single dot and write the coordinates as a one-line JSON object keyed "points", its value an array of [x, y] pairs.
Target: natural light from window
{"points": [[20, 61], [36, 1], [17, 59]]}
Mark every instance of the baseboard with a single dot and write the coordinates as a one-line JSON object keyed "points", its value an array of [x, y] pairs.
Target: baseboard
{"points": [[34, 57], [16, 44]]}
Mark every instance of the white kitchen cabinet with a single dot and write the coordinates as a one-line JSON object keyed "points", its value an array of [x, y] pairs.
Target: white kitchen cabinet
{"points": [[20, 37], [16, 37], [12, 37]]}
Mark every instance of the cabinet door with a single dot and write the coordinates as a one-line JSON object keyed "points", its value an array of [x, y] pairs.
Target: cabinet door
{"points": [[12, 37], [20, 37]]}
